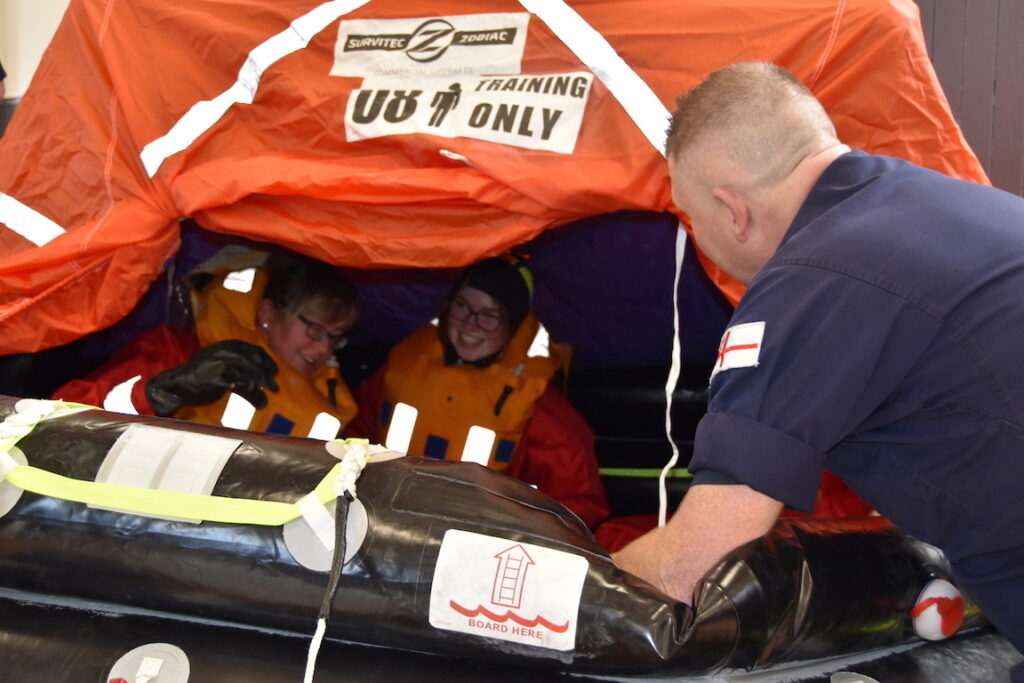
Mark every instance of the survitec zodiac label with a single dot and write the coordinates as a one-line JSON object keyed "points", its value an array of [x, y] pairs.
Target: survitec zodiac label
{"points": [[430, 46]]}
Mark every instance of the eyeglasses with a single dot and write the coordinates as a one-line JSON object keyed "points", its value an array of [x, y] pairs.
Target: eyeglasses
{"points": [[318, 332], [486, 321]]}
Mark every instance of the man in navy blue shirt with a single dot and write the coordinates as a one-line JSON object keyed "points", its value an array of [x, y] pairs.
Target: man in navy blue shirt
{"points": [[881, 337]]}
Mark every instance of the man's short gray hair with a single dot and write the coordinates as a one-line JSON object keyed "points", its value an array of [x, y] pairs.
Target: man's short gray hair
{"points": [[759, 115]]}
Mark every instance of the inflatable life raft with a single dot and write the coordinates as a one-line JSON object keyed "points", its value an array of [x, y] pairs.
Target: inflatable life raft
{"points": [[237, 528]]}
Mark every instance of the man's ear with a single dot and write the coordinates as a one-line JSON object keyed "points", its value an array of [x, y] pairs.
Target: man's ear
{"points": [[738, 207]]}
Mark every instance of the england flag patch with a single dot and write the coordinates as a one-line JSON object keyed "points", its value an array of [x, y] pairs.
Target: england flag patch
{"points": [[740, 347]]}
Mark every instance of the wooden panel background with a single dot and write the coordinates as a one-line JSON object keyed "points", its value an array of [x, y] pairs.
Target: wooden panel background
{"points": [[978, 52]]}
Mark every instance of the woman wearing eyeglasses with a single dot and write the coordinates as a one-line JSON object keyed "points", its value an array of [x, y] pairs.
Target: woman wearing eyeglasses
{"points": [[265, 329], [486, 363]]}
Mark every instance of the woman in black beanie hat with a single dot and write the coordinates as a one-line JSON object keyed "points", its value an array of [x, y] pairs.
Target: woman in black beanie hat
{"points": [[486, 364], [485, 311]]}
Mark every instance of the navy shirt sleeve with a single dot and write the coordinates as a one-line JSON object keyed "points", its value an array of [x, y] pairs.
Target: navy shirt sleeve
{"points": [[834, 349]]}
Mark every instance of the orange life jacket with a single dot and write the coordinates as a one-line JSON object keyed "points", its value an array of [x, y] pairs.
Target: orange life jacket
{"points": [[223, 313], [452, 398]]}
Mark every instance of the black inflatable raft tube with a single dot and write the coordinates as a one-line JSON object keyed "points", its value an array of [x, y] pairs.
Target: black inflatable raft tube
{"points": [[456, 559]]}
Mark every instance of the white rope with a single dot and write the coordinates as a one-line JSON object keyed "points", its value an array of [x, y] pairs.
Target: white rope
{"points": [[314, 650], [673, 379], [353, 460]]}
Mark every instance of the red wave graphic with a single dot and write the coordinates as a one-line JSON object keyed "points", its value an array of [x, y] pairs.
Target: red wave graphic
{"points": [[466, 612]]}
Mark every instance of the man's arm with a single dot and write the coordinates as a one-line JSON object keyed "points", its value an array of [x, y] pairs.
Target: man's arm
{"points": [[711, 521]]}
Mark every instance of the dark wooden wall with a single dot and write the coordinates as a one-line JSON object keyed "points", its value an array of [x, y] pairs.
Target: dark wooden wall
{"points": [[977, 47]]}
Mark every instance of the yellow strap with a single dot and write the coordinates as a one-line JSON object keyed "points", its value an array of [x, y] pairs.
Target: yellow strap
{"points": [[165, 503], [644, 473], [139, 500]]}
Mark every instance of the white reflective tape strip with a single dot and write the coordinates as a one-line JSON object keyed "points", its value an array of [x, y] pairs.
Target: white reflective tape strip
{"points": [[540, 347], [635, 96], [673, 379], [325, 427], [237, 413], [240, 280], [27, 222], [403, 421], [203, 115], [319, 519], [479, 442], [119, 398]]}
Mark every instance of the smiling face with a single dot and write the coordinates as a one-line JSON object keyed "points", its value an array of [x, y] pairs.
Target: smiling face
{"points": [[293, 339], [469, 340]]}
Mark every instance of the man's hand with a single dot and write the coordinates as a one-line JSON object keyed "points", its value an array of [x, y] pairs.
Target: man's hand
{"points": [[711, 521], [225, 366]]}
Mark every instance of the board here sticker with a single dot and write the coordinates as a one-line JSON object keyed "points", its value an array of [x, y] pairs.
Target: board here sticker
{"points": [[497, 588]]}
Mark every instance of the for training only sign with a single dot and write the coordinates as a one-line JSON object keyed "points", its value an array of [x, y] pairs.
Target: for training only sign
{"points": [[532, 111], [493, 587]]}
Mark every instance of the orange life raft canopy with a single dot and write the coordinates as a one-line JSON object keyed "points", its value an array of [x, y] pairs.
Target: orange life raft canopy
{"points": [[375, 133]]}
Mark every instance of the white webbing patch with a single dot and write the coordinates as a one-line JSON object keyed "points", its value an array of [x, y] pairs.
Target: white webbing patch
{"points": [[147, 456], [403, 422], [319, 519], [325, 427], [479, 442], [238, 412], [149, 669]]}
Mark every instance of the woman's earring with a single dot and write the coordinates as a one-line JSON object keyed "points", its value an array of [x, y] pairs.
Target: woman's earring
{"points": [[264, 325]]}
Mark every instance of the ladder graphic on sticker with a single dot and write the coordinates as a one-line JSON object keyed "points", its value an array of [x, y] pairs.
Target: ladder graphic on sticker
{"points": [[510, 576]]}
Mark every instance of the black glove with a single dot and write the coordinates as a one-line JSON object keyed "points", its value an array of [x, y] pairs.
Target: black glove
{"points": [[228, 365]]}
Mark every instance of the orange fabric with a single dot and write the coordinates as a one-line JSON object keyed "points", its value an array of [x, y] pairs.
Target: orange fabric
{"points": [[223, 314], [281, 168], [452, 398]]}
